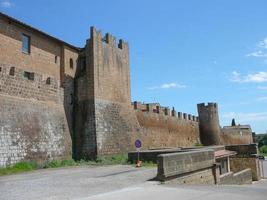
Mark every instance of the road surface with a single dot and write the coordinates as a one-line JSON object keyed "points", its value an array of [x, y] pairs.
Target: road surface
{"points": [[114, 182]]}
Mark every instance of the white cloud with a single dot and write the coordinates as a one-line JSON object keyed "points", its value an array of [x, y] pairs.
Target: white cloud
{"points": [[259, 54], [6, 4], [235, 77], [168, 86], [259, 77], [260, 50], [263, 43], [246, 117]]}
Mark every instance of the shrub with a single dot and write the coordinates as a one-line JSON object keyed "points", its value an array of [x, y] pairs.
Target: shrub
{"points": [[263, 149]]}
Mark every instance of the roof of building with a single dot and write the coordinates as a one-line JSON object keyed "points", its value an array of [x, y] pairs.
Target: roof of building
{"points": [[223, 153], [237, 127], [38, 31]]}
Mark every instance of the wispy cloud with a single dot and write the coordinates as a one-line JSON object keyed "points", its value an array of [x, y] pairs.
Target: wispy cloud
{"points": [[6, 4], [259, 54], [168, 86], [246, 117], [261, 50], [262, 87], [259, 77]]}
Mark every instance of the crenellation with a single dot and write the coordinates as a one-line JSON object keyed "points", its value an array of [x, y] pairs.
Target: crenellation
{"points": [[167, 111], [174, 113], [189, 117], [77, 101]]}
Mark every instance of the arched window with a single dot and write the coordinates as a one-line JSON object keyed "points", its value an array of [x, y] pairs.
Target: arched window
{"points": [[71, 63]]}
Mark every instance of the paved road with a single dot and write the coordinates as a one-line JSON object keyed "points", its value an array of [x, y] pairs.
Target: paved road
{"points": [[115, 182]]}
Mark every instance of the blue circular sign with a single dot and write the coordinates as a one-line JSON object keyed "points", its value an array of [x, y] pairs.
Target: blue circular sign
{"points": [[138, 143]]}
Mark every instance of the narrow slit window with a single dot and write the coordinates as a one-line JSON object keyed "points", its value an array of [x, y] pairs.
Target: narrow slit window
{"points": [[12, 71], [26, 43], [71, 63], [48, 81]]}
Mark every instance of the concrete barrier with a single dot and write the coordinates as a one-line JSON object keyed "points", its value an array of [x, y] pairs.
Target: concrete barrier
{"points": [[239, 178], [150, 155], [183, 164]]}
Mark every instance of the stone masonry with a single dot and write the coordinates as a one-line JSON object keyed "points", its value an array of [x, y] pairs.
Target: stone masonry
{"points": [[60, 101]]}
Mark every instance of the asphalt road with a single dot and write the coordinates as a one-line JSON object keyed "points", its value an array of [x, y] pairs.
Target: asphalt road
{"points": [[115, 182]]}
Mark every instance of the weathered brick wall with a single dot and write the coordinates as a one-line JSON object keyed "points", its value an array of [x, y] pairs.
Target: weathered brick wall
{"points": [[229, 137], [109, 122], [33, 123], [32, 130], [18, 85], [240, 163], [36, 113], [245, 158], [43, 51], [162, 131]]}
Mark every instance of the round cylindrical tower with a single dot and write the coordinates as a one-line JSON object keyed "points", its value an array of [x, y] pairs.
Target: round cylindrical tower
{"points": [[209, 126]]}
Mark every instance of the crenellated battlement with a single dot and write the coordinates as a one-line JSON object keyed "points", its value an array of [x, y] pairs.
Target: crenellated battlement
{"points": [[209, 106], [108, 39], [157, 108]]}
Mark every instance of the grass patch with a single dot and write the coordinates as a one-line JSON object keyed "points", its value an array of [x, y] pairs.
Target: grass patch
{"points": [[118, 159], [19, 167], [198, 145], [148, 164], [60, 163]]}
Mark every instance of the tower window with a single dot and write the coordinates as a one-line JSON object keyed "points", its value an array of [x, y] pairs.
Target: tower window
{"points": [[29, 75], [56, 59], [71, 63], [12, 71], [48, 81], [26, 43]]}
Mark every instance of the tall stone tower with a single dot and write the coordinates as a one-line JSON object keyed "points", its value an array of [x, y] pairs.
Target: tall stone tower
{"points": [[209, 124], [104, 120]]}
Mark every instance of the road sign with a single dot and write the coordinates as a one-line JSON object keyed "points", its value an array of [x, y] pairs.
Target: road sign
{"points": [[138, 143]]}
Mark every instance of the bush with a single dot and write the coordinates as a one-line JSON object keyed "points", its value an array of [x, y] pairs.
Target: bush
{"points": [[263, 149]]}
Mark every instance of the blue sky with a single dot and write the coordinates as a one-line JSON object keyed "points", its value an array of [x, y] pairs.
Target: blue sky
{"points": [[181, 52]]}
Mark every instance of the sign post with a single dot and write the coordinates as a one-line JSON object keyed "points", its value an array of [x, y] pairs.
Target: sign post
{"points": [[138, 145]]}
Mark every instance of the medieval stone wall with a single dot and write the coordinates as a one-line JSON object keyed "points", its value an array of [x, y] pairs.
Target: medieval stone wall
{"points": [[34, 96], [162, 131], [33, 125], [109, 121], [42, 52], [236, 135]]}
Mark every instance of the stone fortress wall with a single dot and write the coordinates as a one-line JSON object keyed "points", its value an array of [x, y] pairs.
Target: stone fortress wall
{"points": [[33, 122], [161, 127], [59, 101], [104, 123]]}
